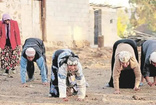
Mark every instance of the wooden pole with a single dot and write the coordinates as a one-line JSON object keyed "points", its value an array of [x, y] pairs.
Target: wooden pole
{"points": [[43, 19]]}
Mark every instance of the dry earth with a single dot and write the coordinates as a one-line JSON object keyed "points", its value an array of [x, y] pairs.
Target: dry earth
{"points": [[96, 67]]}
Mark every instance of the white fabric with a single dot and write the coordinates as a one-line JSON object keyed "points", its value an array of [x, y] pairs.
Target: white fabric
{"points": [[153, 57], [62, 82], [124, 56], [30, 52]]}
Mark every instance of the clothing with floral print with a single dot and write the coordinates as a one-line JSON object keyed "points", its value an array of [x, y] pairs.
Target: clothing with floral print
{"points": [[9, 58]]}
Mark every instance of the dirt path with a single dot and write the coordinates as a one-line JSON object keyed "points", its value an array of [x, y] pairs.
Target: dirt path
{"points": [[96, 65]]}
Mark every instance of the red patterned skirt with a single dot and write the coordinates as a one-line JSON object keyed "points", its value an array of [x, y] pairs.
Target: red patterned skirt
{"points": [[9, 58]]}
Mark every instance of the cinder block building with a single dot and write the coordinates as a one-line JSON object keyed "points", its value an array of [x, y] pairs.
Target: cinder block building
{"points": [[66, 23]]}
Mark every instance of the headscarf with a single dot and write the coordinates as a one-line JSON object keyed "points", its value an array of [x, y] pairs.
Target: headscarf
{"points": [[6, 17], [72, 61], [30, 52], [124, 56], [153, 57]]}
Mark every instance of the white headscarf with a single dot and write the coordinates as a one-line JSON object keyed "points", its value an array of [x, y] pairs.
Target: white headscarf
{"points": [[30, 52], [124, 56]]}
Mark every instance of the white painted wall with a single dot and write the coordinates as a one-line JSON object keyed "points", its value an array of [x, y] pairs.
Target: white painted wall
{"points": [[109, 30]]}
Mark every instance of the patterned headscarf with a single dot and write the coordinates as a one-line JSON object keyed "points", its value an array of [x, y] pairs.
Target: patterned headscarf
{"points": [[72, 61], [124, 56], [153, 57], [6, 17]]}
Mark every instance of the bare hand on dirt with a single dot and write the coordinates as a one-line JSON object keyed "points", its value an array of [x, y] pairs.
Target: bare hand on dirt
{"points": [[65, 99], [24, 85], [117, 92], [136, 88], [79, 99], [45, 83], [150, 84]]}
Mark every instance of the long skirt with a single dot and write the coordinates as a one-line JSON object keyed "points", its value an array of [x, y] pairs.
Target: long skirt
{"points": [[54, 90], [127, 77], [9, 58]]}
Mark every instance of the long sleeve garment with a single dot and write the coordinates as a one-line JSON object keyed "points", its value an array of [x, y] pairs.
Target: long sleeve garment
{"points": [[14, 34], [133, 65], [38, 45], [60, 68], [147, 48], [80, 80]]}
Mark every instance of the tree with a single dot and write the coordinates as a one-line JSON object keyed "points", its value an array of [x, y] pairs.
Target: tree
{"points": [[144, 13]]}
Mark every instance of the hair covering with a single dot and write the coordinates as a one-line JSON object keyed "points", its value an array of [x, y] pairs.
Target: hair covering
{"points": [[153, 57], [30, 52], [124, 56], [6, 17], [72, 61]]}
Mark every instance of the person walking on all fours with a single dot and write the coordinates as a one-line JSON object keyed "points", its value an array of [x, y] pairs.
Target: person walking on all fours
{"points": [[10, 43], [67, 78], [148, 61], [126, 72], [33, 51]]}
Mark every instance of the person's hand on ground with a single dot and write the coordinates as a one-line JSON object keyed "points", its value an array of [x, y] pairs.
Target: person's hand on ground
{"points": [[79, 99], [117, 92], [65, 99], [150, 84], [24, 85], [45, 83], [136, 88], [154, 83]]}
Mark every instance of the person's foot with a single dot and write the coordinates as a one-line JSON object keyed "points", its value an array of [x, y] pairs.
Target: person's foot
{"points": [[7, 71], [30, 79], [5, 74], [13, 71], [107, 85]]}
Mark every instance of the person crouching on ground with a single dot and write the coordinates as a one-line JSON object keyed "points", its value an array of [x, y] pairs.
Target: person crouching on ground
{"points": [[125, 67], [148, 61], [33, 51], [67, 78]]}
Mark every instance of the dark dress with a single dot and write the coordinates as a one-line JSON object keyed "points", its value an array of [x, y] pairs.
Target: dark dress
{"points": [[127, 77]]}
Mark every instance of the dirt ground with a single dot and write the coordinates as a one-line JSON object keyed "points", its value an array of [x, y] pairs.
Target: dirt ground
{"points": [[96, 68]]}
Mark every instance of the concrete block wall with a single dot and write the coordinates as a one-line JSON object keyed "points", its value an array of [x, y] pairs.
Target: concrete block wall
{"points": [[67, 20], [26, 13], [13, 8]]}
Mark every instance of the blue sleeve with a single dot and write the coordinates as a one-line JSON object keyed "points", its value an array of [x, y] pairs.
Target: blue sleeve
{"points": [[23, 65], [41, 64]]}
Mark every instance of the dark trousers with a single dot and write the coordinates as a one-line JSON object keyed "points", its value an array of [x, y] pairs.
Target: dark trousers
{"points": [[127, 77], [30, 69]]}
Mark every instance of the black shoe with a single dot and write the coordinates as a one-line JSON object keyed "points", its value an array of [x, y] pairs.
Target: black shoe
{"points": [[7, 71]]}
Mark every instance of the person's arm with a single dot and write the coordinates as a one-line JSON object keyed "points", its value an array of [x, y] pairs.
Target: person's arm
{"points": [[17, 33], [62, 75], [116, 75], [135, 66], [146, 74], [41, 64], [81, 83], [23, 65]]}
